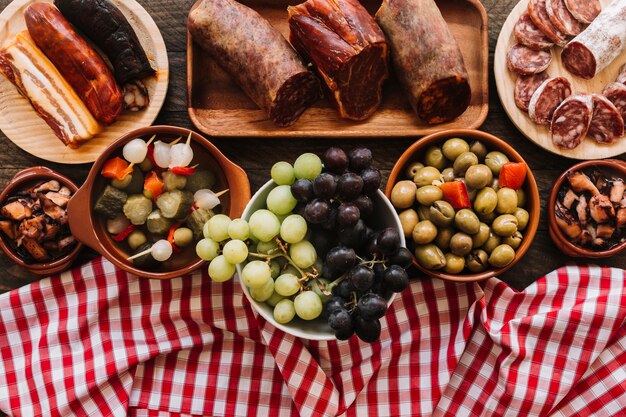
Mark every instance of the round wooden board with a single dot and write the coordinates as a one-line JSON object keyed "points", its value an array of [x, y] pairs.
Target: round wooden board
{"points": [[21, 124], [505, 84]]}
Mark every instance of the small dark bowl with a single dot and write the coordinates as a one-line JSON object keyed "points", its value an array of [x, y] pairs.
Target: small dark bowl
{"points": [[560, 240], [25, 179]]}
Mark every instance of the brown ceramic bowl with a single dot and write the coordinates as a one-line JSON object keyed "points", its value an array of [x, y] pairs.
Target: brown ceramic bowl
{"points": [[25, 179], [614, 166], [415, 153], [90, 228]]}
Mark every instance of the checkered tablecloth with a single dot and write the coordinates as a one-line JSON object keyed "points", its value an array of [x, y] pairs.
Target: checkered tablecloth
{"points": [[96, 341]]}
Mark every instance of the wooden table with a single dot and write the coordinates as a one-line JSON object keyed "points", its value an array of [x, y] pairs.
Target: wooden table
{"points": [[257, 155]]}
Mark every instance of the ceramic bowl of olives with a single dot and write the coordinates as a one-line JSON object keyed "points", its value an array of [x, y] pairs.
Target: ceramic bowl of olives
{"points": [[468, 204]]}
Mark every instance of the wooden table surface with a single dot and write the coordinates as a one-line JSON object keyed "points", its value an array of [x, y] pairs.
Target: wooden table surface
{"points": [[257, 155]]}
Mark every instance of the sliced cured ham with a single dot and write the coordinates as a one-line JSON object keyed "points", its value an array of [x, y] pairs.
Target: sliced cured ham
{"points": [[523, 60], [607, 124], [562, 19], [527, 33], [548, 96], [616, 93], [525, 86], [539, 15], [584, 11], [571, 120]]}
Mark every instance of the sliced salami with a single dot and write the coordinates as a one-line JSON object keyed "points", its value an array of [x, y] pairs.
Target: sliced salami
{"points": [[523, 60], [621, 78], [525, 86], [548, 96], [616, 93], [527, 33], [607, 124], [584, 11], [598, 45], [539, 15], [562, 19], [571, 120]]}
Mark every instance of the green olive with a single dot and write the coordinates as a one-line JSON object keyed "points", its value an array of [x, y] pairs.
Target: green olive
{"points": [[454, 147], [461, 244], [408, 220], [486, 201], [412, 169], [471, 192], [403, 194], [136, 239], [426, 176], [494, 160], [491, 243], [428, 194], [121, 184], [505, 225], [467, 221], [501, 256], [481, 237], [521, 197], [423, 213], [522, 218], [477, 260], [443, 237], [507, 200], [454, 264], [488, 218], [448, 174], [478, 176], [514, 241], [424, 232], [430, 256], [441, 213], [183, 237], [479, 149], [146, 165], [434, 158], [463, 162], [495, 184]]}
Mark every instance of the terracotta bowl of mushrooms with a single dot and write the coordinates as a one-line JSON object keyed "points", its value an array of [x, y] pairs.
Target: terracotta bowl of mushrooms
{"points": [[34, 223], [587, 209]]}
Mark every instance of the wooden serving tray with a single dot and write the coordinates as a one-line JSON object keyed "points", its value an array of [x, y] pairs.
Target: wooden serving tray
{"points": [[541, 135], [218, 107]]}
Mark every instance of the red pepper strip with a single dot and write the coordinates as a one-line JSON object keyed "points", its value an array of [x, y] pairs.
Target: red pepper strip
{"points": [[512, 175], [455, 193], [170, 238], [124, 233], [151, 155], [186, 171]]}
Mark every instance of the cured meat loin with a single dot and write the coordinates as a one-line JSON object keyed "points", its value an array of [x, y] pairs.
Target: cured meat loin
{"points": [[348, 49], [616, 93], [571, 120], [621, 77], [257, 56], [523, 60], [584, 10], [104, 24], [607, 125], [598, 45], [50, 95], [562, 19], [539, 15], [76, 60], [525, 86], [426, 58], [527, 33], [548, 96]]}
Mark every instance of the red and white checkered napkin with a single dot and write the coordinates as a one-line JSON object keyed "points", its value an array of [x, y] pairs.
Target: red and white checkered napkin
{"points": [[97, 341]]}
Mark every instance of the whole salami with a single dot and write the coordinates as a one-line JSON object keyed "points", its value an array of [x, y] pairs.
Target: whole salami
{"points": [[598, 45], [562, 19], [426, 58], [607, 125], [539, 15], [571, 120], [548, 96], [616, 93], [584, 11], [257, 56], [523, 60], [527, 33], [525, 86]]}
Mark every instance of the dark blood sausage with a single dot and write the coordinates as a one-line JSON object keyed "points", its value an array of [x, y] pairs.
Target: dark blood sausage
{"points": [[426, 58], [584, 11], [562, 19], [598, 45], [76, 60], [523, 60], [539, 15], [547, 98], [103, 23], [525, 86], [607, 125], [257, 56], [571, 120], [347, 48], [616, 93], [621, 77], [527, 33]]}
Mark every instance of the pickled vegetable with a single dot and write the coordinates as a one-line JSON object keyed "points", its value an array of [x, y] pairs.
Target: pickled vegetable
{"points": [[137, 208], [175, 204], [111, 202]]}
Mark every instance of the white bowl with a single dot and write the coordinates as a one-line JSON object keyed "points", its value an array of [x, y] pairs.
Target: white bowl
{"points": [[318, 329]]}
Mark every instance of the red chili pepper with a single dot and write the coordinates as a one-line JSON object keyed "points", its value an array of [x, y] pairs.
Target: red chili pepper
{"points": [[186, 171], [151, 155], [124, 233], [455, 193], [170, 238]]}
